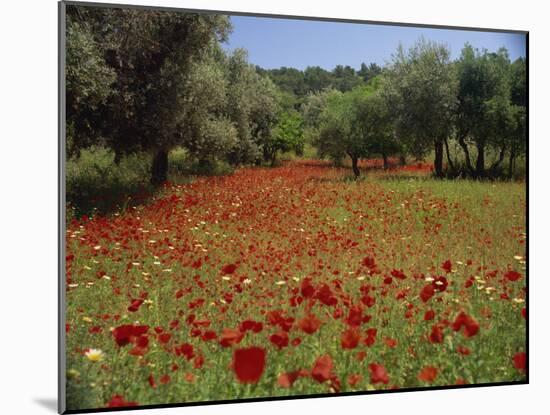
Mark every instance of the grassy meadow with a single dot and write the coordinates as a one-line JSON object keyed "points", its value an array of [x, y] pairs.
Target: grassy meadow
{"points": [[296, 280], [314, 223]]}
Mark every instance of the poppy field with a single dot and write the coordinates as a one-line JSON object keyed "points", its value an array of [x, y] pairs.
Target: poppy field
{"points": [[295, 280]]}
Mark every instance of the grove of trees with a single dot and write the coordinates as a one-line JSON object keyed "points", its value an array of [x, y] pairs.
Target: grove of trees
{"points": [[155, 80], [151, 81]]}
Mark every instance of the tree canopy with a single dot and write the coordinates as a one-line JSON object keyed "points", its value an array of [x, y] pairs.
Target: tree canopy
{"points": [[151, 81]]}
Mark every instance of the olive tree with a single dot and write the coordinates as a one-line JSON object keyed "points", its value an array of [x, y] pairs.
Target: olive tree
{"points": [[252, 105], [337, 137], [518, 138], [206, 131], [152, 56], [485, 116], [374, 117], [287, 135], [421, 88], [357, 123], [88, 84]]}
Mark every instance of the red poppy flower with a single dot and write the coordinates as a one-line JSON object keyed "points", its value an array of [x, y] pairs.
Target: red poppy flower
{"points": [[429, 315], [198, 362], [471, 326], [368, 300], [335, 384], [228, 269], [128, 333], [117, 401], [325, 295], [307, 289], [201, 323], [369, 262], [309, 324], [279, 339], [371, 336], [447, 266], [398, 274], [230, 337], [355, 316], [440, 284], [427, 292], [164, 338], [520, 361], [378, 374], [436, 336], [286, 380], [138, 351], [354, 379], [208, 335], [185, 350], [391, 343], [463, 350], [95, 330], [296, 341], [251, 325], [512, 275], [350, 339], [142, 341], [249, 364], [427, 374], [277, 318], [322, 369]]}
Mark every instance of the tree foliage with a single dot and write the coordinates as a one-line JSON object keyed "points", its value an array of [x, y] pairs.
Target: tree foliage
{"points": [[486, 117], [287, 135], [146, 80], [357, 123], [150, 81], [88, 82], [421, 87]]}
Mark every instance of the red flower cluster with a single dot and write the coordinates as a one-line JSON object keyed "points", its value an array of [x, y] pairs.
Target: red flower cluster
{"points": [[378, 374], [471, 326], [520, 361], [132, 334], [118, 401]]}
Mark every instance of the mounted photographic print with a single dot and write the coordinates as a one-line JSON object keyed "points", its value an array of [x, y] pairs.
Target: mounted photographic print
{"points": [[260, 207]]}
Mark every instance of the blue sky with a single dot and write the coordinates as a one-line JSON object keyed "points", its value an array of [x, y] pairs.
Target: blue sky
{"points": [[273, 43]]}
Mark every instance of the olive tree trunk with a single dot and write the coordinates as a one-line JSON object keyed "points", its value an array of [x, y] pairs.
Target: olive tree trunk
{"points": [[438, 161], [511, 163], [355, 166], [480, 161], [464, 145], [159, 169], [386, 164]]}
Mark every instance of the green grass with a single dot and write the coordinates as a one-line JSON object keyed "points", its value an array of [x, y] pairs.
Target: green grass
{"points": [[286, 224], [97, 185]]}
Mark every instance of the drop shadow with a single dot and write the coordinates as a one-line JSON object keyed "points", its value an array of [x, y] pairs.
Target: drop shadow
{"points": [[48, 403]]}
